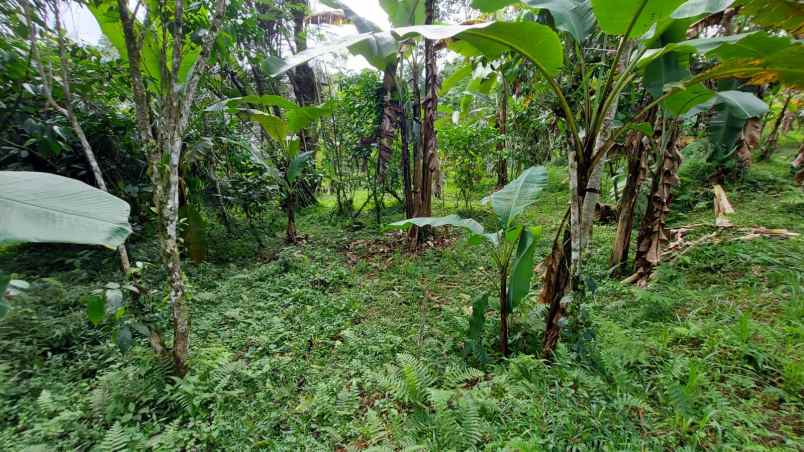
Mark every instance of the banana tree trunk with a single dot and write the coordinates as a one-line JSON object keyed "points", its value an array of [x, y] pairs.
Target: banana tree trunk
{"points": [[429, 156], [651, 238], [502, 128], [504, 312], [625, 219]]}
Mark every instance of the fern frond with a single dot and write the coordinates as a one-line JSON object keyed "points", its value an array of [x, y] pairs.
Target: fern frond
{"points": [[116, 439], [458, 375]]}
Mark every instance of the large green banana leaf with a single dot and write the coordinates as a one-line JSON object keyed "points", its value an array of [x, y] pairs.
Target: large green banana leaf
{"points": [[573, 16], [537, 42], [520, 193], [41, 207]]}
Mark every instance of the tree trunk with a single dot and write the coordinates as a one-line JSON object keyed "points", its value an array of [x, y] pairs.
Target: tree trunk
{"points": [[429, 155], [591, 194], [555, 282], [773, 138], [625, 220], [389, 118], [502, 129], [163, 146], [406, 181], [798, 166], [504, 312], [651, 237], [291, 230]]}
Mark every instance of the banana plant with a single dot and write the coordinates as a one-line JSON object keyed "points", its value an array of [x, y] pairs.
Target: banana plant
{"points": [[511, 247], [288, 168]]}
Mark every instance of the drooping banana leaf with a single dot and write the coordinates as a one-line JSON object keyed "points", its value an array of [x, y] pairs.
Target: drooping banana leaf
{"points": [[537, 42], [614, 16], [46, 208], [449, 220], [520, 193]]}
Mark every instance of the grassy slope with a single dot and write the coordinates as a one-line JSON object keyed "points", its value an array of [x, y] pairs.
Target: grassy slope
{"points": [[345, 342]]}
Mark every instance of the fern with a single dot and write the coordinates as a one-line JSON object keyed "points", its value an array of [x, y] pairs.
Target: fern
{"points": [[116, 439], [347, 401], [46, 402], [456, 376], [410, 381]]}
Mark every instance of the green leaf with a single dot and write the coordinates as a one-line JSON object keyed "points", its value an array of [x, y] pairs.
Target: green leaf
{"points": [[783, 66], [46, 208], [574, 17], [537, 42], [725, 128], [512, 199], [5, 279], [274, 126], [124, 339], [267, 100], [614, 16], [297, 164], [462, 73], [787, 15], [301, 117], [96, 308], [684, 100], [489, 6], [402, 13], [694, 8], [522, 269], [449, 220]]}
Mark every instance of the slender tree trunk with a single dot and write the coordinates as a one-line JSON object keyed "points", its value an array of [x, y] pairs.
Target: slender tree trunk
{"points": [[416, 110], [405, 141], [429, 155], [502, 129], [163, 146], [291, 229], [389, 118], [625, 220], [592, 188], [773, 138], [504, 312]]}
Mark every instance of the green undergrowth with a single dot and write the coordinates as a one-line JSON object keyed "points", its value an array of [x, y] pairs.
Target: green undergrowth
{"points": [[348, 342]]}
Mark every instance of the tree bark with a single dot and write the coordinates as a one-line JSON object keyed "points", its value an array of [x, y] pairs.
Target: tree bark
{"points": [[773, 138], [429, 155], [651, 237], [389, 119], [504, 312], [625, 219], [502, 128], [592, 188], [163, 148]]}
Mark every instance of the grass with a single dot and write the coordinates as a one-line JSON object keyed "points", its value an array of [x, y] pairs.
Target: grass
{"points": [[348, 342]]}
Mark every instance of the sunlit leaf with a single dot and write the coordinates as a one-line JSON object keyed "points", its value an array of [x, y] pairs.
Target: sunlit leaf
{"points": [[520, 193], [46, 208]]}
